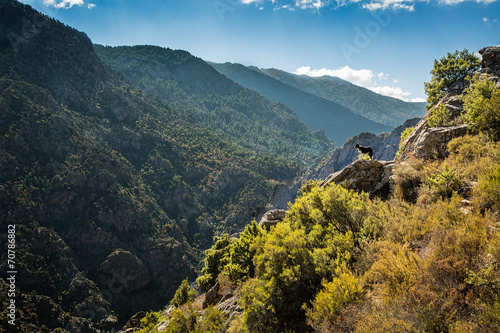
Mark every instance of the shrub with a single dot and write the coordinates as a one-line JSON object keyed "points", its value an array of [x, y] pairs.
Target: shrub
{"points": [[407, 180], [150, 320], [404, 136], [215, 260], [394, 270], [328, 304], [440, 117], [445, 182], [487, 194], [183, 294], [212, 321], [482, 106]]}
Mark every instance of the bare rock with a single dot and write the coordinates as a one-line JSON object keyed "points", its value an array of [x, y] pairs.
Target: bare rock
{"points": [[371, 176], [272, 218], [135, 321], [212, 296], [433, 142], [491, 57]]}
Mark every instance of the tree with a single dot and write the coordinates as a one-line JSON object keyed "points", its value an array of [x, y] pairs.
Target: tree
{"points": [[482, 106], [446, 71], [184, 294]]}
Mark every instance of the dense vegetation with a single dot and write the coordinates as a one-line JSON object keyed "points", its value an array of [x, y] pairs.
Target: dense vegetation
{"points": [[338, 121], [114, 193], [425, 260], [189, 83]]}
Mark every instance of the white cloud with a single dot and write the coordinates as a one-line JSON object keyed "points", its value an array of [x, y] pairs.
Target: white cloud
{"points": [[488, 21], [418, 100], [405, 5], [371, 5], [395, 92], [65, 4], [362, 77]]}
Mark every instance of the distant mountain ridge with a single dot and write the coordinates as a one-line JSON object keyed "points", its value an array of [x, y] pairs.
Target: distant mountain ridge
{"points": [[189, 83], [338, 122], [379, 108]]}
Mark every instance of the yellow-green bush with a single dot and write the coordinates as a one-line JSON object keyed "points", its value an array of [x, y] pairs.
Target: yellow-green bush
{"points": [[439, 117], [404, 135], [481, 102], [328, 304]]}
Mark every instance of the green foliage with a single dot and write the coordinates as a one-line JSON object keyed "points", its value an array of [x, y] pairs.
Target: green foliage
{"points": [[337, 294], [445, 182], [184, 294], [232, 257], [330, 206], [488, 192], [215, 260], [180, 322], [439, 117], [365, 157], [446, 71], [150, 320], [404, 136], [482, 106], [212, 321], [241, 254], [395, 268]]}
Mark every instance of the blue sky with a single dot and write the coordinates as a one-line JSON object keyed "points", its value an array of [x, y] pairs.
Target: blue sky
{"points": [[388, 46]]}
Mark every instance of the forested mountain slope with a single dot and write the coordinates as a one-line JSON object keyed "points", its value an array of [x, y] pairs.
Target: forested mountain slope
{"points": [[382, 109], [187, 82], [113, 193], [338, 122]]}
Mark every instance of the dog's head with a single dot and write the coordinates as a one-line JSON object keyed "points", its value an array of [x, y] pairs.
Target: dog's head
{"points": [[356, 146]]}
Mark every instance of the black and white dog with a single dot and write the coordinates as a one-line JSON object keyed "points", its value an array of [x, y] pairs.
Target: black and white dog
{"points": [[364, 150]]}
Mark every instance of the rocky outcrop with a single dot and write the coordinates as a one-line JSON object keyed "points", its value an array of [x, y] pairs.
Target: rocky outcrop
{"points": [[384, 146], [491, 59], [426, 142], [135, 321], [212, 296], [271, 218], [433, 142], [372, 177]]}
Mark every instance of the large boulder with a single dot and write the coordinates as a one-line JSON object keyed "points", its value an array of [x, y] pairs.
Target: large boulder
{"points": [[272, 218], [370, 176]]}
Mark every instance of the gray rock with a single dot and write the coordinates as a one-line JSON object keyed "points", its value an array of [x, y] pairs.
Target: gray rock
{"points": [[372, 177], [212, 296], [272, 218], [135, 321]]}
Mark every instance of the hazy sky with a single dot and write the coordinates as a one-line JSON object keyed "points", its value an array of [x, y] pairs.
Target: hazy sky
{"points": [[388, 46]]}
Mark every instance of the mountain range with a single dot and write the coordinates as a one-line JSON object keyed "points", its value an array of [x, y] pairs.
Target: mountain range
{"points": [[340, 108], [218, 103]]}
